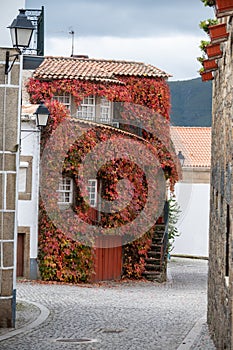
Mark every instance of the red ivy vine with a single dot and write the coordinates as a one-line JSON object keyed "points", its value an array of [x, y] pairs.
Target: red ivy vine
{"points": [[61, 257]]}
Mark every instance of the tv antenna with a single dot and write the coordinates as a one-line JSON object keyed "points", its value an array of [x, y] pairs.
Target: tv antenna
{"points": [[72, 49]]}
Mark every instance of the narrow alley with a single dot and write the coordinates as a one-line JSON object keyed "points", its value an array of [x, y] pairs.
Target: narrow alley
{"points": [[115, 316]]}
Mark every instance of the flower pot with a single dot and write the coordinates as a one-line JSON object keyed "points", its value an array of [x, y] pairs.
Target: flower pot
{"points": [[214, 51], [224, 7], [218, 33], [210, 65], [206, 76]]}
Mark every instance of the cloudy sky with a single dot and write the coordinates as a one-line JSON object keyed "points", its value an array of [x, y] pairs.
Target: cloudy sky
{"points": [[163, 33]]}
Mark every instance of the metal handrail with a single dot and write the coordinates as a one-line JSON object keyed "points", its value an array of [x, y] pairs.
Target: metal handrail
{"points": [[164, 241]]}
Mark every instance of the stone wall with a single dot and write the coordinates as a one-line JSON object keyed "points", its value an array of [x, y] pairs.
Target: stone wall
{"points": [[220, 289], [9, 153]]}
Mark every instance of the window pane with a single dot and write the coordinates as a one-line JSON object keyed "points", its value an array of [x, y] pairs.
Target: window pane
{"points": [[105, 110], [65, 190], [22, 179], [86, 110], [92, 192], [65, 99]]}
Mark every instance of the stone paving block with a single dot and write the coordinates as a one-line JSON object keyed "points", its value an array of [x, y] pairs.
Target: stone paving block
{"points": [[115, 316]]}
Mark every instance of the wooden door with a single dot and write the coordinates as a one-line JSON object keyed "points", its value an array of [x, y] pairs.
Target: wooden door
{"points": [[108, 258], [20, 255]]}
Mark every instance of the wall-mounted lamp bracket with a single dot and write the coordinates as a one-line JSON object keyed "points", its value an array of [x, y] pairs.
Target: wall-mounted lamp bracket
{"points": [[9, 66]]}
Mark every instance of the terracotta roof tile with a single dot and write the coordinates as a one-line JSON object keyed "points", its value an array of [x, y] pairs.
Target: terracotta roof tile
{"points": [[93, 69], [194, 143]]}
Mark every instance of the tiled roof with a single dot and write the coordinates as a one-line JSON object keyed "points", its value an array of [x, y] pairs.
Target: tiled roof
{"points": [[194, 143], [94, 69]]}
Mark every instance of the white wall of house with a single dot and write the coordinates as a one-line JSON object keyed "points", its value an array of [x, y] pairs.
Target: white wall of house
{"points": [[193, 224], [28, 209]]}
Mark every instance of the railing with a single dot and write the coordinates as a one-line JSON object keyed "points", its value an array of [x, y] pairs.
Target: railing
{"points": [[133, 127], [164, 241]]}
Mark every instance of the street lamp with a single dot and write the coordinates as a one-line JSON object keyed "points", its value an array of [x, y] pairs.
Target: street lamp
{"points": [[42, 113], [21, 30], [181, 158]]}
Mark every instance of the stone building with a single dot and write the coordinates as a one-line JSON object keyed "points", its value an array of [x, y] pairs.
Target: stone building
{"points": [[220, 286], [10, 98]]}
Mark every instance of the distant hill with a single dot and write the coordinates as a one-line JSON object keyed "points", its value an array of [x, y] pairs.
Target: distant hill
{"points": [[191, 102]]}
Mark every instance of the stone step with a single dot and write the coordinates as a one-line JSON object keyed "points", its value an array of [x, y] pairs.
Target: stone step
{"points": [[152, 275], [152, 261], [152, 267], [155, 247], [155, 255], [159, 226], [157, 242]]}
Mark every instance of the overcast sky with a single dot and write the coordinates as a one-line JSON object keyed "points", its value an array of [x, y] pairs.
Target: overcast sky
{"points": [[163, 33]]}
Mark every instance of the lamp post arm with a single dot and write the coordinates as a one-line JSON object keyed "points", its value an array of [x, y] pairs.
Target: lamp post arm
{"points": [[8, 67]]}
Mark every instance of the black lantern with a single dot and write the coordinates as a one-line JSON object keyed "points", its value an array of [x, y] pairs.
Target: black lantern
{"points": [[181, 158], [21, 30], [42, 113]]}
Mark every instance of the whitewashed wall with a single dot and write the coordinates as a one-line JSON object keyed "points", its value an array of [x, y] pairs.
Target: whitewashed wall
{"points": [[194, 219], [28, 209]]}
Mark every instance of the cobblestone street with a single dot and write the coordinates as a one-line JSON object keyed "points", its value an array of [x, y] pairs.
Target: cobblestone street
{"points": [[115, 316]]}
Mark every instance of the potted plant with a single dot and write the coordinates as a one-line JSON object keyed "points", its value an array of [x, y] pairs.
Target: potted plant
{"points": [[218, 33], [223, 7], [214, 51], [207, 23], [207, 65], [203, 45], [210, 65], [206, 76], [208, 2]]}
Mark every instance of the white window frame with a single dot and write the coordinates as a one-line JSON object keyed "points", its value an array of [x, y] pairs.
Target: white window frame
{"points": [[92, 192], [86, 110], [105, 110], [25, 178], [65, 187], [64, 98], [95, 108]]}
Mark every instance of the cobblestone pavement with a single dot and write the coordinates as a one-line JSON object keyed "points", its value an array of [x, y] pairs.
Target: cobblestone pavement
{"points": [[119, 316]]}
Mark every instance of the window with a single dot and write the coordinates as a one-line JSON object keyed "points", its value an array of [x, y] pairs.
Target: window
{"points": [[95, 108], [105, 110], [65, 99], [92, 192], [25, 178], [87, 108], [65, 191]]}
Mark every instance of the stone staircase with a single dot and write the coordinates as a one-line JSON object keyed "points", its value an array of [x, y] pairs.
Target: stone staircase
{"points": [[156, 263]]}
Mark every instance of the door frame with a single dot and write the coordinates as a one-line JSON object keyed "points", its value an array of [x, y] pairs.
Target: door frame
{"points": [[26, 248]]}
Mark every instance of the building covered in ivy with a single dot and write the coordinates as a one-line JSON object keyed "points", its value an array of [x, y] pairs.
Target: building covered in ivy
{"points": [[105, 160]]}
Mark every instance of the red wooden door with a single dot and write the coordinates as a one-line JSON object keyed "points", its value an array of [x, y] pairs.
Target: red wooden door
{"points": [[20, 255], [108, 258]]}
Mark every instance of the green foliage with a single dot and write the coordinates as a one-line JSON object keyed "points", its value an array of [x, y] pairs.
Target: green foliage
{"points": [[191, 102], [208, 22], [173, 217], [201, 70], [208, 2], [203, 45]]}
